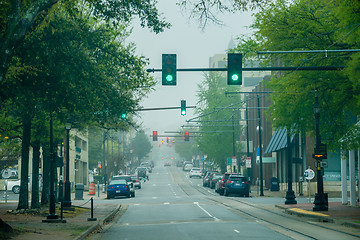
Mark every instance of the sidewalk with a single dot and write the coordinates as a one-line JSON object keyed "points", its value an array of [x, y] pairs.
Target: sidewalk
{"points": [[337, 212], [77, 227]]}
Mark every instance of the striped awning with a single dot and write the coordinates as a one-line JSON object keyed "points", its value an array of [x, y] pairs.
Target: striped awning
{"points": [[278, 141]]}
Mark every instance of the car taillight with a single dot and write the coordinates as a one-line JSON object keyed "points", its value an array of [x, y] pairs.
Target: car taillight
{"points": [[126, 186], [228, 181], [245, 182], [109, 187], [137, 180]]}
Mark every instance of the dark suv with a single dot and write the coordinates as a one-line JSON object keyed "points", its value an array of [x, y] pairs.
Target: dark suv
{"points": [[236, 184]]}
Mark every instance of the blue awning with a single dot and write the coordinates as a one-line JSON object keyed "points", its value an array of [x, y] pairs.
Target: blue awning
{"points": [[278, 141]]}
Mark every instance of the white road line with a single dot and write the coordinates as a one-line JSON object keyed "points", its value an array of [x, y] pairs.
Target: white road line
{"points": [[215, 218], [166, 203], [236, 231]]}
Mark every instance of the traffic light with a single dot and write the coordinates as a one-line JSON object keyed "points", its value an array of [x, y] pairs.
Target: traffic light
{"points": [[169, 69], [167, 139], [234, 72], [186, 136], [123, 116], [183, 107], [155, 135]]}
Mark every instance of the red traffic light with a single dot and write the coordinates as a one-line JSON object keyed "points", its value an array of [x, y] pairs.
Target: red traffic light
{"points": [[186, 136], [155, 135]]}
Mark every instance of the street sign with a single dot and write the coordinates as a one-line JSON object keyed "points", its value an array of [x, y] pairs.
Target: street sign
{"points": [[229, 161], [248, 162], [309, 174], [234, 161]]}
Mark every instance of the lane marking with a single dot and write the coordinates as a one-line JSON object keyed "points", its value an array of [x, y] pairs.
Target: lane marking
{"points": [[236, 231], [166, 203], [204, 210]]}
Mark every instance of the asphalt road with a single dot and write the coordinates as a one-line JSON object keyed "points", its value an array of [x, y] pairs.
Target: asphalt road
{"points": [[173, 206]]}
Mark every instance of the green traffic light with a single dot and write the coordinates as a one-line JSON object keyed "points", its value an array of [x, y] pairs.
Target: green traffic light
{"points": [[183, 112], [123, 116], [235, 77], [169, 78]]}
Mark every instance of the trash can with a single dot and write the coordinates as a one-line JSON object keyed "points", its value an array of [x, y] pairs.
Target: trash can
{"points": [[79, 190], [274, 184]]}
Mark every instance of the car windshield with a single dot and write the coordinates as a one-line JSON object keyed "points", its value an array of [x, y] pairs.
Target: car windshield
{"points": [[217, 176], [116, 182], [126, 178], [240, 179]]}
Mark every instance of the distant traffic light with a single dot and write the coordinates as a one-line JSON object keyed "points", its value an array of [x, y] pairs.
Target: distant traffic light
{"points": [[183, 107], [169, 69], [123, 116], [234, 72], [167, 139], [186, 136], [155, 135]]}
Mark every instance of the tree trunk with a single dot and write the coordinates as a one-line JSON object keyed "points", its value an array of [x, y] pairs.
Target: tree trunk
{"points": [[46, 175], [35, 176], [24, 189]]}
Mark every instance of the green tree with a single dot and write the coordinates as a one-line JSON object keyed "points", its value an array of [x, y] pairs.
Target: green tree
{"points": [[18, 18], [313, 25], [217, 126], [141, 145]]}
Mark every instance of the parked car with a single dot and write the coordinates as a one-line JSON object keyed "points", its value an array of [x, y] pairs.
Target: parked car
{"points": [[187, 167], [118, 188], [14, 185], [213, 179], [220, 185], [142, 172], [128, 179], [237, 184], [136, 181], [206, 182], [195, 172], [167, 164], [147, 165]]}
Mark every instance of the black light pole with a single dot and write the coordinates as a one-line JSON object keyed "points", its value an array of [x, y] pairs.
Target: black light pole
{"points": [[260, 151], [233, 137], [52, 214], [61, 179], [290, 195], [67, 198], [320, 202]]}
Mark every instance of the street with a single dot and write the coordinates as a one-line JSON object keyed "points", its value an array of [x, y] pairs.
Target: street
{"points": [[173, 206]]}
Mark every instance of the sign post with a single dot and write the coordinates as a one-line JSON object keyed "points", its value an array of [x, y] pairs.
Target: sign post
{"points": [[309, 174]]}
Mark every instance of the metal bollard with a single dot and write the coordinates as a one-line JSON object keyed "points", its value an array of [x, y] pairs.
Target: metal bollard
{"points": [[92, 211]]}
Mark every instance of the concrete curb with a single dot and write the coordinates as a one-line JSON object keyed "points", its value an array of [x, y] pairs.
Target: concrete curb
{"points": [[99, 223], [320, 218]]}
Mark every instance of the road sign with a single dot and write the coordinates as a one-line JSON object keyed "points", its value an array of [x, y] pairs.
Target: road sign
{"points": [[309, 174], [248, 162]]}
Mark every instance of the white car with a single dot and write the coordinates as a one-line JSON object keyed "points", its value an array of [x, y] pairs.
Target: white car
{"points": [[188, 167], [195, 172], [13, 186]]}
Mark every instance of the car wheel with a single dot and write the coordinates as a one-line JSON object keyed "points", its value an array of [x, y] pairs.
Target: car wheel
{"points": [[246, 194], [108, 196], [128, 196], [16, 189], [221, 192], [226, 193]]}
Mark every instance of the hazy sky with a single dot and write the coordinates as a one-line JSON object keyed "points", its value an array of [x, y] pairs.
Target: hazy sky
{"points": [[193, 47]]}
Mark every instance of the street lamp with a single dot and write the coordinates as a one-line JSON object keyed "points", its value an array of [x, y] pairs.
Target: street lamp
{"points": [[320, 202], [290, 195], [52, 215], [260, 150], [67, 199]]}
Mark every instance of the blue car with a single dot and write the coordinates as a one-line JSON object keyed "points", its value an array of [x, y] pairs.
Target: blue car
{"points": [[118, 188], [237, 184]]}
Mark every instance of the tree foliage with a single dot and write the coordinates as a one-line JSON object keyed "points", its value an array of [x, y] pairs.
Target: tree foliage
{"points": [[141, 145], [217, 124], [313, 25]]}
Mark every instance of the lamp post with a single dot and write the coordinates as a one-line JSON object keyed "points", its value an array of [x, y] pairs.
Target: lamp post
{"points": [[67, 199], [61, 179], [320, 202], [290, 195], [52, 214], [260, 151]]}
